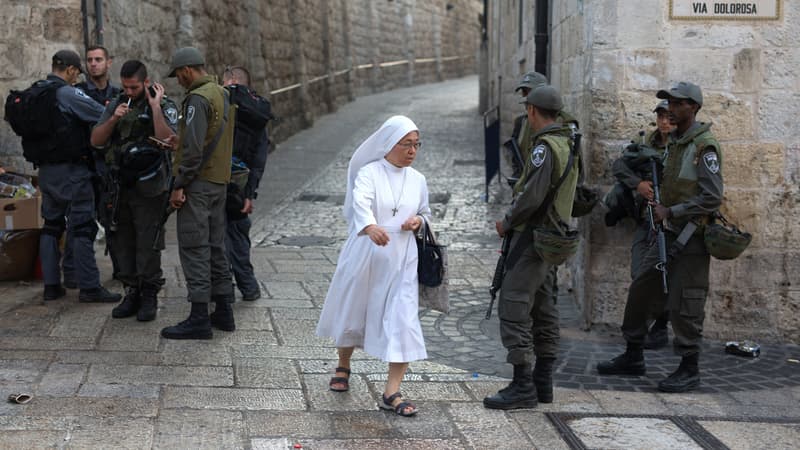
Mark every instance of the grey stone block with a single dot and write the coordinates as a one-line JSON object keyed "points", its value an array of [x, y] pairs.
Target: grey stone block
{"points": [[539, 429], [18, 371], [294, 424], [91, 406], [62, 380], [170, 375], [80, 322], [754, 435], [233, 398], [266, 373], [130, 433], [618, 402], [381, 444], [119, 390], [270, 444], [284, 290], [109, 357], [195, 353], [46, 343], [26, 439], [485, 428], [198, 429]]}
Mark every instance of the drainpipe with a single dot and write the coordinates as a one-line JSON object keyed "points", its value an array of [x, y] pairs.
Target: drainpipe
{"points": [[85, 19], [98, 21]]}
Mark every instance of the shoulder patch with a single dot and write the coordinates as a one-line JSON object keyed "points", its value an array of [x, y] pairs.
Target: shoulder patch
{"points": [[712, 162], [538, 154], [171, 113], [189, 114], [79, 92]]}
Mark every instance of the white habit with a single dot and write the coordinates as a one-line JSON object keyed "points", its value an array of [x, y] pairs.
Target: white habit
{"points": [[372, 302]]}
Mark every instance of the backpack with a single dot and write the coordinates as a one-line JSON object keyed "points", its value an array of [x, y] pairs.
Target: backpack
{"points": [[254, 111], [33, 114]]}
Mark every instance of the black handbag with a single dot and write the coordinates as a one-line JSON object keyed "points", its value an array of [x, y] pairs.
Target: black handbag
{"points": [[430, 267]]}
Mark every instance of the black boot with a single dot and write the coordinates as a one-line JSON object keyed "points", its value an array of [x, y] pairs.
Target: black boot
{"points": [[197, 326], [98, 295], [222, 317], [543, 379], [53, 292], [629, 363], [130, 303], [521, 393], [149, 303], [686, 378]]}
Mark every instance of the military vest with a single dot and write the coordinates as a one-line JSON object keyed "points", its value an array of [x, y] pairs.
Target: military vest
{"points": [[131, 129], [527, 135], [560, 147], [680, 165], [217, 168]]}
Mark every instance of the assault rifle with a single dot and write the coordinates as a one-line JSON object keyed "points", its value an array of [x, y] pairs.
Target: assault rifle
{"points": [[110, 204], [499, 272], [166, 208], [658, 228], [512, 147]]}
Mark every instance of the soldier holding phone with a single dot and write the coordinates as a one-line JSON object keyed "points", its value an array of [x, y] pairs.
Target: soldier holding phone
{"points": [[138, 180]]}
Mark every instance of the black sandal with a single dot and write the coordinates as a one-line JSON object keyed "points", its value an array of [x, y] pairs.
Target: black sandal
{"points": [[400, 409], [341, 380]]}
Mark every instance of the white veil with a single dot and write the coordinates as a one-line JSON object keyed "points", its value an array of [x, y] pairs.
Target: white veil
{"points": [[373, 149]]}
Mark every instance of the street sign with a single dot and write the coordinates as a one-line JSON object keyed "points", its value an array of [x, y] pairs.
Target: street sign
{"points": [[721, 10]]}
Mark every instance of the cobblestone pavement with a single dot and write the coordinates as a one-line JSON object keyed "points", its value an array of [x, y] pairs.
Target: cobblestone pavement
{"points": [[105, 383]]}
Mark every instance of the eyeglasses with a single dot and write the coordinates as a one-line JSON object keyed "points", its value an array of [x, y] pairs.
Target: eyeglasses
{"points": [[408, 145]]}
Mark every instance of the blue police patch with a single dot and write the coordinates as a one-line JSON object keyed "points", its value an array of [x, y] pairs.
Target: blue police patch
{"points": [[712, 162], [172, 115], [537, 155], [79, 92]]}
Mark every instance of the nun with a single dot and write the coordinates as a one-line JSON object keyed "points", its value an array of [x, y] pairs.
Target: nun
{"points": [[372, 301]]}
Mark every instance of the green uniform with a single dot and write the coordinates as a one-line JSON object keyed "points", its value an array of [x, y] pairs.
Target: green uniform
{"points": [[527, 310], [139, 207], [203, 170], [692, 189], [630, 179]]}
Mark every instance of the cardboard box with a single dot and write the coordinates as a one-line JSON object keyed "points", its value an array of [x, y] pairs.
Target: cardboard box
{"points": [[21, 214]]}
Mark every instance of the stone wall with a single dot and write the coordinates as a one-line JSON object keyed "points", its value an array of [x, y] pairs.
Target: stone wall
{"points": [[609, 59], [332, 48]]}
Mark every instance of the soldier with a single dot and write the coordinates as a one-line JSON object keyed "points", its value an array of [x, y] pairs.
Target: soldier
{"points": [[530, 81], [527, 310], [65, 180], [543, 371], [632, 171], [98, 84], [140, 181], [690, 192], [202, 172], [250, 145]]}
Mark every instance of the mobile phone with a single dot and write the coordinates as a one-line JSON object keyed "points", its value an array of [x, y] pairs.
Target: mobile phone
{"points": [[152, 91], [159, 142]]}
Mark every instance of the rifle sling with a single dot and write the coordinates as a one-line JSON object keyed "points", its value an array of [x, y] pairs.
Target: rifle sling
{"points": [[551, 194], [682, 239]]}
